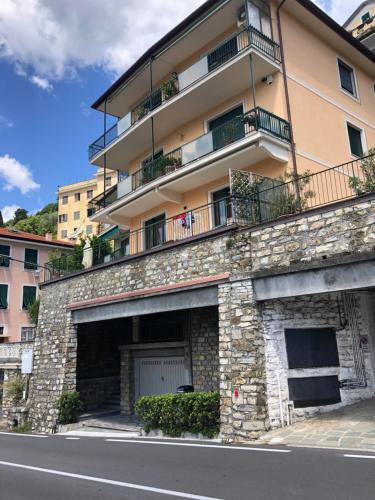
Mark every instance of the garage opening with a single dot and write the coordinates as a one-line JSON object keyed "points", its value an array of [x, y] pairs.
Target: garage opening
{"points": [[98, 362]]}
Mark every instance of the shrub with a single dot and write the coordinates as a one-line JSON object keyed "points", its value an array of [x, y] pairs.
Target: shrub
{"points": [[196, 412], [366, 183], [14, 389], [33, 311], [69, 406], [23, 428]]}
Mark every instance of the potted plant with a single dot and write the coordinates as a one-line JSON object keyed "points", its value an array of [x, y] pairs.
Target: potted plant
{"points": [[170, 88]]}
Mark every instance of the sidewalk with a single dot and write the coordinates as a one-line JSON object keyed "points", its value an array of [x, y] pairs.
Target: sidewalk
{"points": [[352, 427]]}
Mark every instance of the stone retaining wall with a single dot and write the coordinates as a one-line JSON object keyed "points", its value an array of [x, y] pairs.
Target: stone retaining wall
{"points": [[306, 239]]}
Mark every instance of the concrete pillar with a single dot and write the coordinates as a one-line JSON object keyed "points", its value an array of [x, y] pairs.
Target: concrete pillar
{"points": [[244, 413], [126, 382]]}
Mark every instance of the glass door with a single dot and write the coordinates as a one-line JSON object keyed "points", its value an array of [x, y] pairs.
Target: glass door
{"points": [[154, 232], [227, 128], [222, 208]]}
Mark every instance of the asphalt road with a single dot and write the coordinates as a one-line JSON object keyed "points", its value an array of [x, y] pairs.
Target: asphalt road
{"points": [[54, 468]]}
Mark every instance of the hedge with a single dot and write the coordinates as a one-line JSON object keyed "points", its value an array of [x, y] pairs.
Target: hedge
{"points": [[195, 412]]}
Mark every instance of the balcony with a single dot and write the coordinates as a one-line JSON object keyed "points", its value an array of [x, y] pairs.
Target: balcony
{"points": [[207, 158], [364, 29], [198, 84], [11, 353]]}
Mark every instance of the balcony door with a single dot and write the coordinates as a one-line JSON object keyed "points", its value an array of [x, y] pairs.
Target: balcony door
{"points": [[154, 232], [227, 128], [222, 208], [259, 16]]}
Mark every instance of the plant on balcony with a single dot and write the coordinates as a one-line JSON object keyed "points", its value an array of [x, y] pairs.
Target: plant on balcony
{"points": [[170, 88], [366, 183], [288, 197]]}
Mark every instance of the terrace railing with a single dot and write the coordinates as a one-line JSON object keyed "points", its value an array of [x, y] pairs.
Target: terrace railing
{"points": [[263, 200], [230, 132], [227, 50]]}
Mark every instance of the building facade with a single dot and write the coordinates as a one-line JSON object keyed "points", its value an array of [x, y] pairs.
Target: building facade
{"points": [[361, 24], [247, 228], [22, 261], [75, 206]]}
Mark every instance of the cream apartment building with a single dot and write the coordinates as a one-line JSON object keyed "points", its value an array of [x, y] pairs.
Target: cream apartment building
{"points": [[75, 205], [247, 259], [361, 24]]}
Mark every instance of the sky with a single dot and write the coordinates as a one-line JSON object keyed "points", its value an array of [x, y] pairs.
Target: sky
{"points": [[56, 58]]}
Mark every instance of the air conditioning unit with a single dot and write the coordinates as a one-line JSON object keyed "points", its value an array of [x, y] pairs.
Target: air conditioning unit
{"points": [[241, 17]]}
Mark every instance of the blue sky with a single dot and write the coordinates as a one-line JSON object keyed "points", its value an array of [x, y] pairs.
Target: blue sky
{"points": [[56, 58]]}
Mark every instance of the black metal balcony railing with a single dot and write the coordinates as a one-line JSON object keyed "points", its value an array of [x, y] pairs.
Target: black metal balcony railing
{"points": [[230, 48], [233, 130], [267, 201]]}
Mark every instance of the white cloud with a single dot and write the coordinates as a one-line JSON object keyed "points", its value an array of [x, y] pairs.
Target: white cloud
{"points": [[42, 83], [340, 10], [5, 122], [8, 212], [16, 175], [53, 39]]}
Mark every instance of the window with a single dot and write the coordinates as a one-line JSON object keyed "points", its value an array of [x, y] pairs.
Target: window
{"points": [[2, 330], [28, 296], [27, 333], [90, 194], [63, 218], [222, 208], [4, 251], [65, 200], [108, 181], [227, 128], [77, 215], [90, 212], [3, 296], [347, 78], [89, 229], [77, 196], [355, 140], [259, 16], [64, 233], [366, 17], [154, 231], [31, 259]]}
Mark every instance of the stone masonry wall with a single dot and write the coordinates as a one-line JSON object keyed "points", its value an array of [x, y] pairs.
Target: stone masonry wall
{"points": [[205, 349], [302, 240], [316, 311]]}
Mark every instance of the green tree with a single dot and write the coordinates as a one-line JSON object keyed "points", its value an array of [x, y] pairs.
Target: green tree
{"points": [[19, 214], [44, 221], [1, 220]]}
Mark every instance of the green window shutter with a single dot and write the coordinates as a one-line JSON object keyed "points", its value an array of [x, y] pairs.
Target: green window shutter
{"points": [[3, 296], [29, 296], [355, 141], [4, 250], [31, 259]]}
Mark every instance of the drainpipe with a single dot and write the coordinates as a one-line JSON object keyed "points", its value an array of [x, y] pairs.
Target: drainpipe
{"points": [[105, 155], [289, 112], [152, 118]]}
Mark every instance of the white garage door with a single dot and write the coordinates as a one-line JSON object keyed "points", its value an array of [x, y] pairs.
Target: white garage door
{"points": [[159, 375]]}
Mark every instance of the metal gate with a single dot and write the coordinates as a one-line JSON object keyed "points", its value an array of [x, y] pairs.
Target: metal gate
{"points": [[159, 375]]}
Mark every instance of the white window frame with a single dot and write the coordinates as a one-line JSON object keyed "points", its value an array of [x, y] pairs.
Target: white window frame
{"points": [[356, 96], [363, 138], [65, 196], [79, 215], [64, 231], [27, 326], [91, 227], [37, 260], [36, 294], [5, 329], [143, 221], [91, 191], [10, 255], [210, 202], [8, 294]]}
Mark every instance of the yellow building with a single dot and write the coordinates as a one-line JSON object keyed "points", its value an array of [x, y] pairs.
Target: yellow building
{"points": [[361, 24], [265, 87], [74, 205]]}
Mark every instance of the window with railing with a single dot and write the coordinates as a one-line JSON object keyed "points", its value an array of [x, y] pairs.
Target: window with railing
{"points": [[31, 259], [4, 253]]}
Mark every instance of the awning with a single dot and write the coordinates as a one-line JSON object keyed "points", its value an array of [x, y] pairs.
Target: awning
{"points": [[111, 233]]}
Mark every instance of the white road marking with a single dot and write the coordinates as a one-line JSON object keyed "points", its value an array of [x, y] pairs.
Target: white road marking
{"points": [[223, 447], [73, 439], [110, 482], [19, 434], [360, 456]]}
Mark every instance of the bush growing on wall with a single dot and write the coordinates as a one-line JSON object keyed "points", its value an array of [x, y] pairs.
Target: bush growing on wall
{"points": [[196, 412], [69, 406]]}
